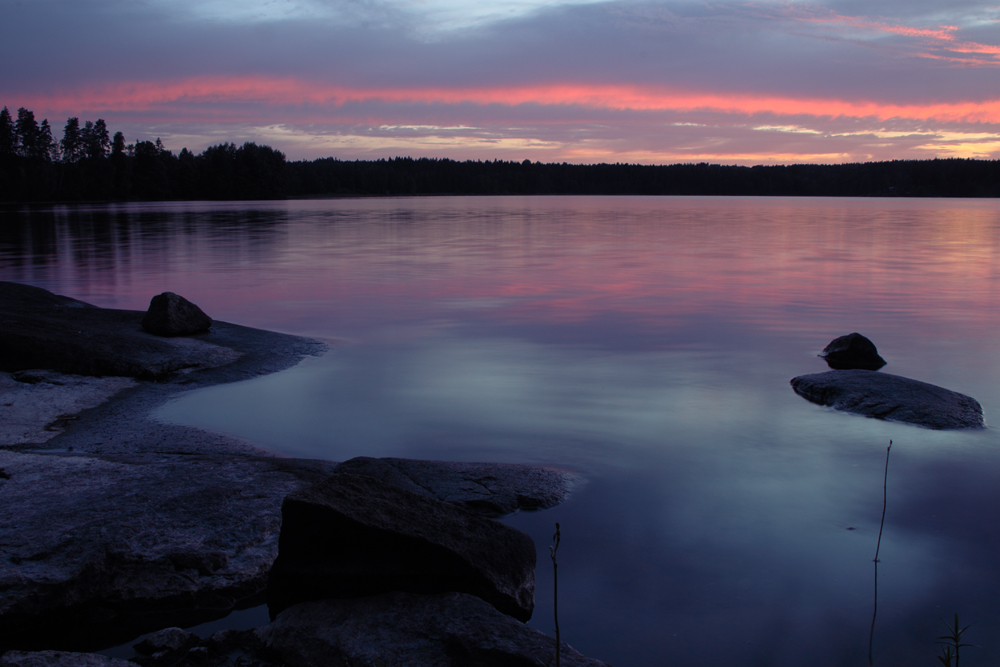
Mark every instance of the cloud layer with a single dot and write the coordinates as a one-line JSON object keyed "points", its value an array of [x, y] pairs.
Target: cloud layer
{"points": [[651, 82]]}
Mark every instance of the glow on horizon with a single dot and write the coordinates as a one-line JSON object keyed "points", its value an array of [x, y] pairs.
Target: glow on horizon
{"points": [[288, 92]]}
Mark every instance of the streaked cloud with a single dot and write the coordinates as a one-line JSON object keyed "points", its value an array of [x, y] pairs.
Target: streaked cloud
{"points": [[672, 80]]}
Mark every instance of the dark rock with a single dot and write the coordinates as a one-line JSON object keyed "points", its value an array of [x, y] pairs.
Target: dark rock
{"points": [[170, 314], [170, 640], [225, 642], [40, 330], [94, 547], [444, 630], [59, 659], [885, 396], [354, 536], [852, 351], [487, 489]]}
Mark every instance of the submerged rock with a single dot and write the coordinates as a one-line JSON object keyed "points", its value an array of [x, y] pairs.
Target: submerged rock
{"points": [[354, 536], [488, 489], [444, 630], [885, 396], [171, 314], [852, 351]]}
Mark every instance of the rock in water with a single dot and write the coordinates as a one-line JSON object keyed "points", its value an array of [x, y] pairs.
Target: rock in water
{"points": [[354, 536], [852, 351], [487, 489], [885, 396], [170, 314], [444, 630]]}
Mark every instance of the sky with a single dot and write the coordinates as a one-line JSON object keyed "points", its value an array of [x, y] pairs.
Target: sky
{"points": [[661, 82]]}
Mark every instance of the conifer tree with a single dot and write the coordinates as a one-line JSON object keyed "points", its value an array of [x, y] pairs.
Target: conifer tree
{"points": [[72, 142], [7, 136], [26, 129], [47, 149]]}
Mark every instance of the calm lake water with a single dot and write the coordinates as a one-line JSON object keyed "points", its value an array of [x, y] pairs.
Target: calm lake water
{"points": [[646, 343]]}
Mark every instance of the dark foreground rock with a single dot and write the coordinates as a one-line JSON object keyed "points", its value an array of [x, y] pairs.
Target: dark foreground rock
{"points": [[354, 536], [96, 547], [885, 396], [59, 659], [445, 630], [852, 351], [40, 330], [487, 489], [171, 314]]}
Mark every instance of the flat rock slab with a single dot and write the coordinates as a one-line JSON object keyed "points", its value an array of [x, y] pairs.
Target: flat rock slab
{"points": [[891, 397], [41, 330], [445, 630], [356, 536], [488, 489], [59, 659], [93, 546], [35, 406]]}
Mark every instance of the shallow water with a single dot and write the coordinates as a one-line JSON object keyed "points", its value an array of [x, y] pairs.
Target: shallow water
{"points": [[646, 343]]}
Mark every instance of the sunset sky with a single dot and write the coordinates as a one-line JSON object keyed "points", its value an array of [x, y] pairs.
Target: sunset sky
{"points": [[731, 82]]}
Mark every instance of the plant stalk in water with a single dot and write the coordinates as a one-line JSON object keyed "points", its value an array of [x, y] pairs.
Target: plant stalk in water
{"points": [[555, 586], [952, 642], [878, 545]]}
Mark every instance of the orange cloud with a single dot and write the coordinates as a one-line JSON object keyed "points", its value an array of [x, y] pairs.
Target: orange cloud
{"points": [[289, 92]]}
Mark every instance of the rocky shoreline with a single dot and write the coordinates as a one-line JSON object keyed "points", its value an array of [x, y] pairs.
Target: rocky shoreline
{"points": [[113, 525]]}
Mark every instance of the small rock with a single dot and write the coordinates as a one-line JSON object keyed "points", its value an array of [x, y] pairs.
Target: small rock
{"points": [[487, 489], [444, 630], [354, 536], [885, 396], [852, 351], [171, 640], [170, 314]]}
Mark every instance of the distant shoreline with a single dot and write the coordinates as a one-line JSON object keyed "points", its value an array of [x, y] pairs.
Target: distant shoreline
{"points": [[251, 172]]}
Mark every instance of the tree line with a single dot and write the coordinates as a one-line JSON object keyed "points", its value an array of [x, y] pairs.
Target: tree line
{"points": [[88, 165]]}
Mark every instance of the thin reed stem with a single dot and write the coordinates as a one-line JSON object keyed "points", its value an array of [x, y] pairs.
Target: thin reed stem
{"points": [[878, 546]]}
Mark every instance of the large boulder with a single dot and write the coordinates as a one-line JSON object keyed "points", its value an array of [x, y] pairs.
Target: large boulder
{"points": [[852, 351], [487, 489], [885, 396], [171, 314], [355, 536], [444, 630]]}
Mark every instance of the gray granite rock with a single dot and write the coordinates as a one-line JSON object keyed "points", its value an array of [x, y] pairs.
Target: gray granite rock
{"points": [[171, 314], [885, 396], [444, 630], [120, 525], [91, 545], [35, 406], [59, 659], [355, 536], [488, 489], [852, 351], [167, 640]]}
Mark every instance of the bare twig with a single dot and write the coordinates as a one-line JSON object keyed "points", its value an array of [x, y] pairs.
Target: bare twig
{"points": [[878, 546], [555, 586]]}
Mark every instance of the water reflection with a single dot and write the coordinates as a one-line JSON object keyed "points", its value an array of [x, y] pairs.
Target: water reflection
{"points": [[647, 343]]}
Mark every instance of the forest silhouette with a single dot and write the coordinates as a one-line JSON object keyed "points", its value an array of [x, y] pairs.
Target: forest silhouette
{"points": [[88, 164]]}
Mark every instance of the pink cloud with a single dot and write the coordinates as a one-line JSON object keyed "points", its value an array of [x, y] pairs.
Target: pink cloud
{"points": [[215, 98]]}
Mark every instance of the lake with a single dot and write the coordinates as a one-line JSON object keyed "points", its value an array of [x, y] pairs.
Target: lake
{"points": [[645, 343]]}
